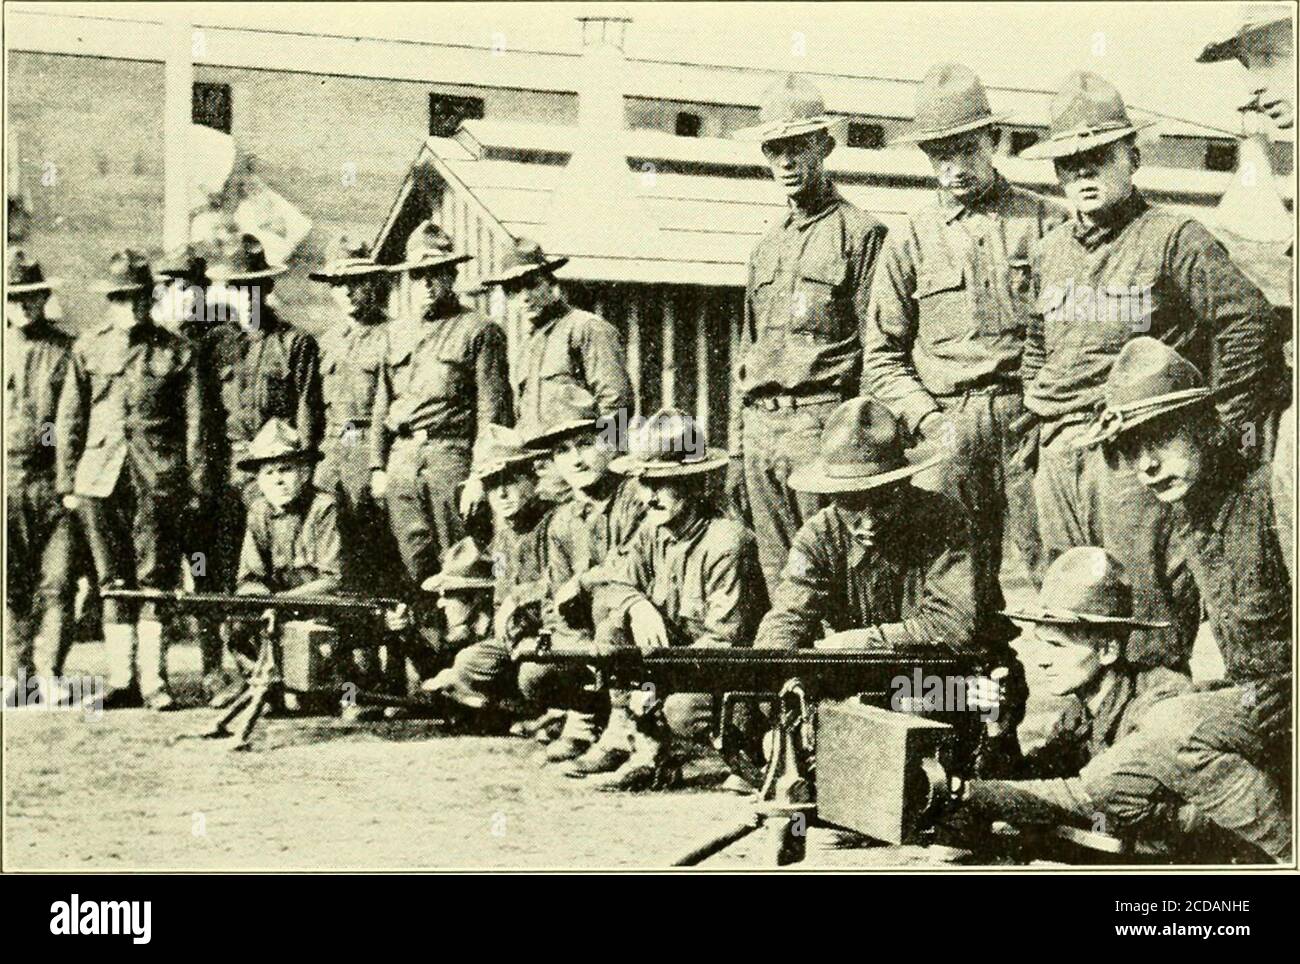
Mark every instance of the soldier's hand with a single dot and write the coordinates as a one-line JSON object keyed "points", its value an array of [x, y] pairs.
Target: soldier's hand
{"points": [[71, 502], [737, 494], [398, 619], [471, 494], [929, 423], [569, 601], [985, 694], [647, 627], [378, 483]]}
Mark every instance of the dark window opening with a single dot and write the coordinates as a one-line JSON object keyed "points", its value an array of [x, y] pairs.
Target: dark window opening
{"points": [[870, 137], [446, 112], [1220, 156], [210, 106], [1023, 139], [688, 125]]}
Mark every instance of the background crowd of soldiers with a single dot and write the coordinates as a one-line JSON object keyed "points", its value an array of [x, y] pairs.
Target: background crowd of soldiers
{"points": [[903, 403]]}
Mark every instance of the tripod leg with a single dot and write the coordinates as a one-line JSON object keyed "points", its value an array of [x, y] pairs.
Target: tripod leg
{"points": [[719, 843], [259, 701], [222, 727]]}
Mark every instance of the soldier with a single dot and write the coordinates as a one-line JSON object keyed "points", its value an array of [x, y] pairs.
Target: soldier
{"points": [[131, 454], [949, 308], [600, 520], [1082, 620], [565, 347], [799, 352], [40, 531], [351, 355], [689, 578], [210, 546], [1160, 423], [483, 674], [1118, 269], [445, 376], [465, 587], [885, 563]]}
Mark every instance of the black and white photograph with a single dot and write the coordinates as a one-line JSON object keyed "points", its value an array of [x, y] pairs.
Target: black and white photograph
{"points": [[645, 437]]}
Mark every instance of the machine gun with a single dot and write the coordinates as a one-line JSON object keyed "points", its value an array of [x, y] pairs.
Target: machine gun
{"points": [[883, 773], [291, 655]]}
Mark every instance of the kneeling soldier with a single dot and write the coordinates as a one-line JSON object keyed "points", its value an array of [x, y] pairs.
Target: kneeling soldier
{"points": [[130, 436], [689, 578]]}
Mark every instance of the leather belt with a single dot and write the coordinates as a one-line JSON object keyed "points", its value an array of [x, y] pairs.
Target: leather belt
{"points": [[776, 403]]}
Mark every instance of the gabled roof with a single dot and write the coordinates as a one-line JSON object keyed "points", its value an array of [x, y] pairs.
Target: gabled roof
{"points": [[707, 200]]}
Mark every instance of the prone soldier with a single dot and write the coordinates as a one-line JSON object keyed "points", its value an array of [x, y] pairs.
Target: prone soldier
{"points": [[689, 577], [444, 377], [40, 531], [949, 307], [1121, 268], [799, 352], [131, 458]]}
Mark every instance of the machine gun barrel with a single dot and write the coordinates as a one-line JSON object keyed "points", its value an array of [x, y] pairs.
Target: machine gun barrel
{"points": [[233, 604], [832, 673]]}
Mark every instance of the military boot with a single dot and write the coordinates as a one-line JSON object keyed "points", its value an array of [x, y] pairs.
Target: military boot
{"points": [[120, 690], [650, 765], [151, 660], [614, 746], [578, 735]]}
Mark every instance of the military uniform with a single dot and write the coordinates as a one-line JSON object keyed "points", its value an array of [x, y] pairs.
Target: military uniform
{"points": [[1140, 271], [799, 354], [40, 532], [296, 548]]}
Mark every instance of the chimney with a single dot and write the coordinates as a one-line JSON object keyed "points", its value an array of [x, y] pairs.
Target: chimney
{"points": [[595, 210]]}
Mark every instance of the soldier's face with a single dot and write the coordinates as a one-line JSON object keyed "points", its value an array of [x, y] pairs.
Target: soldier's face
{"points": [[280, 483], [1166, 458], [124, 313], [458, 610], [26, 309], [509, 495], [871, 513], [797, 162], [176, 303], [430, 287], [1097, 180], [1071, 657], [667, 500], [531, 295], [359, 297], [583, 460], [963, 164]]}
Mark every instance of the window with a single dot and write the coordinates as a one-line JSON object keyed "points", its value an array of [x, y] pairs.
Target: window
{"points": [[210, 106], [1220, 156], [446, 112], [688, 125], [1022, 139], [868, 136]]}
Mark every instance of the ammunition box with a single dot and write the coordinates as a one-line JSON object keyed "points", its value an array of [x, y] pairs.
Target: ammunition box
{"points": [[307, 655]]}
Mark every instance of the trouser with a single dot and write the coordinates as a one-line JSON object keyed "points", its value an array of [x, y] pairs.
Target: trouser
{"points": [[1204, 749], [1082, 502], [775, 443], [485, 666], [210, 544], [134, 538], [369, 556], [41, 538], [981, 469]]}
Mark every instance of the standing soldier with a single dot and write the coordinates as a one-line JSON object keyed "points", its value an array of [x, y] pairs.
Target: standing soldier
{"points": [[351, 356], [40, 587], [1118, 269], [445, 377], [949, 308], [565, 346], [131, 458], [800, 352]]}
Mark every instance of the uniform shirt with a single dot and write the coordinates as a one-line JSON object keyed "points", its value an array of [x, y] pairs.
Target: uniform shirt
{"points": [[447, 375], [519, 554], [914, 585], [1159, 274], [37, 359], [571, 347], [1236, 560], [351, 356], [1070, 771], [583, 532], [270, 371], [210, 343], [952, 298], [705, 581], [291, 548], [132, 399], [806, 305]]}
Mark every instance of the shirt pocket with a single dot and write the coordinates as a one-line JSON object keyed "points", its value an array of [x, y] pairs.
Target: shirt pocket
{"points": [[819, 307], [941, 304], [764, 297], [154, 394], [1021, 287], [275, 394]]}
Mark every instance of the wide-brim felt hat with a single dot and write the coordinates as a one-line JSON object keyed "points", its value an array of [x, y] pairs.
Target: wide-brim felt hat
{"points": [[950, 100], [188, 263], [277, 442], [1086, 113], [497, 451], [790, 108], [1085, 586], [1148, 380], [429, 247], [524, 259], [861, 449], [669, 444], [246, 263], [347, 259], [128, 273], [25, 276], [464, 567]]}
